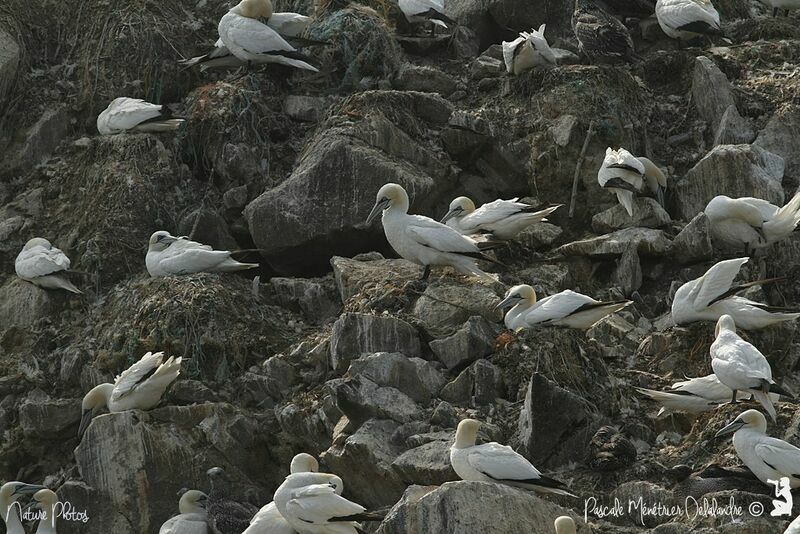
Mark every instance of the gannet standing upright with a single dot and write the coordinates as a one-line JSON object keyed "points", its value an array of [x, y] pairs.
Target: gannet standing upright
{"points": [[10, 492], [417, 11], [565, 525], [751, 223], [601, 36], [687, 19], [139, 387], [424, 241], [504, 219], [46, 501], [768, 458], [125, 114], [42, 264], [713, 295], [192, 519], [170, 255], [527, 51], [492, 462], [311, 503]]}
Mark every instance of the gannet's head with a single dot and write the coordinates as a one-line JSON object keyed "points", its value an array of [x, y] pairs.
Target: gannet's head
{"points": [[37, 242], [458, 208], [304, 463], [192, 502], [624, 160], [254, 9], [94, 400], [161, 240], [565, 525], [725, 323], [517, 294], [11, 491], [298, 480], [45, 500], [467, 433], [389, 196], [752, 419]]}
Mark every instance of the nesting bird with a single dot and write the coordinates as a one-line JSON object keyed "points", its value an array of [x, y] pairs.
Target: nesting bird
{"points": [[565, 525], [10, 493], [687, 19], [627, 176], [713, 295], [252, 41], [601, 36], [424, 241], [492, 462], [751, 223], [139, 387], [567, 308], [225, 515], [45, 501], [125, 114], [768, 458], [527, 51], [192, 517], [44, 265], [503, 219], [170, 255], [421, 11]]}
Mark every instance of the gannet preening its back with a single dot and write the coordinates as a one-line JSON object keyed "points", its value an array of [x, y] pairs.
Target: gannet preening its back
{"points": [[527, 51], [751, 223], [492, 462], [504, 219], [170, 255], [193, 517], [269, 520], [225, 515], [627, 176], [424, 241], [601, 36], [42, 264], [567, 308], [45, 501], [125, 114], [713, 295], [687, 19], [139, 387], [10, 493], [419, 11], [741, 366], [565, 525], [252, 41], [768, 458]]}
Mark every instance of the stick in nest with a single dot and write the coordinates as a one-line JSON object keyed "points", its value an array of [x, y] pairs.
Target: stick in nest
{"points": [[586, 140]]}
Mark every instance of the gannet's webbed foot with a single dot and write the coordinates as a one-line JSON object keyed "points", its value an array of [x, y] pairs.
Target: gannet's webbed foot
{"points": [[426, 273]]}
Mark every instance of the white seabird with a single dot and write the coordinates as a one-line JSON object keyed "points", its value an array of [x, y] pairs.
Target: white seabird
{"points": [[492, 462], [567, 308], [10, 492], [751, 223], [504, 219], [252, 41], [627, 176], [420, 11], [424, 241], [565, 525], [42, 264], [170, 255], [741, 366], [139, 387], [687, 19], [527, 51], [45, 501], [125, 114], [768, 458], [794, 526], [311, 504], [713, 295], [193, 517], [269, 520]]}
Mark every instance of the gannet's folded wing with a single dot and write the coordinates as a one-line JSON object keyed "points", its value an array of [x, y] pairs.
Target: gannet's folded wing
{"points": [[559, 306], [255, 37], [319, 503], [437, 236], [125, 113], [780, 455], [708, 387], [136, 374], [767, 210], [494, 211], [715, 282], [682, 15], [194, 260], [39, 261], [501, 462], [289, 24]]}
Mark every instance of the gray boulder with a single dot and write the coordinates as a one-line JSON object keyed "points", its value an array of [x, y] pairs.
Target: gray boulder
{"points": [[647, 213], [444, 307], [316, 298], [693, 242], [43, 417], [426, 465], [22, 304], [356, 334], [711, 92], [479, 384], [354, 276], [474, 340], [733, 129], [360, 399], [9, 61], [781, 136], [426, 79], [415, 377]]}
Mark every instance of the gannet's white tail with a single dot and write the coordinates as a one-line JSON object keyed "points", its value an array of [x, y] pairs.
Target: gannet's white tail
{"points": [[678, 402], [785, 220], [541, 215], [54, 281], [230, 265], [764, 400]]}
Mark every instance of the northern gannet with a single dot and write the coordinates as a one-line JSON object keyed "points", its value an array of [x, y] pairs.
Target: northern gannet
{"points": [[794, 526], [170, 255], [10, 492], [492, 462], [42, 264], [504, 219], [768, 458], [527, 51], [751, 223], [45, 501], [226, 515], [252, 41], [419, 11], [713, 295], [687, 19], [565, 525], [139, 387], [786, 6], [269, 520], [628, 176], [125, 114], [311, 504], [567, 308], [601, 35], [424, 241], [741, 366], [192, 519]]}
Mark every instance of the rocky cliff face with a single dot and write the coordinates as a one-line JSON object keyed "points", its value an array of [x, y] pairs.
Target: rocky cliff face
{"points": [[339, 349]]}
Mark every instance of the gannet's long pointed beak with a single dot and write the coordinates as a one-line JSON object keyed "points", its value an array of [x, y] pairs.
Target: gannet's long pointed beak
{"points": [[507, 302], [377, 209], [28, 489], [86, 418], [449, 215], [730, 429]]}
